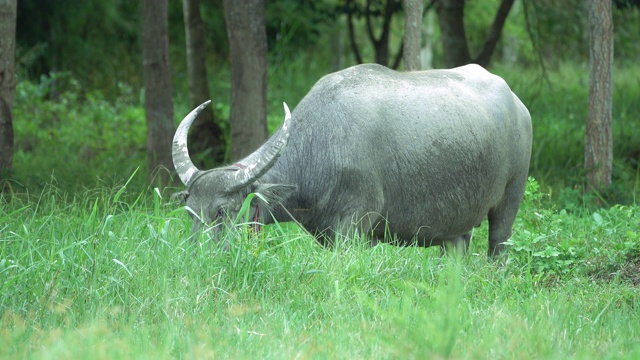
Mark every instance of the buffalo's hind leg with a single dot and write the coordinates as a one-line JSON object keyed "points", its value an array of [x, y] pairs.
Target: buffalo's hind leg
{"points": [[502, 216]]}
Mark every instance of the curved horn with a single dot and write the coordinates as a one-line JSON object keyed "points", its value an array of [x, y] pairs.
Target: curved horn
{"points": [[180, 153], [260, 161]]}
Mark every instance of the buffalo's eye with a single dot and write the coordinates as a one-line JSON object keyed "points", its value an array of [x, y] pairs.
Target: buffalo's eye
{"points": [[220, 213], [180, 197]]}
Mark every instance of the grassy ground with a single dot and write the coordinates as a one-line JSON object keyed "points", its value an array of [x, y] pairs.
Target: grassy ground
{"points": [[112, 274]]}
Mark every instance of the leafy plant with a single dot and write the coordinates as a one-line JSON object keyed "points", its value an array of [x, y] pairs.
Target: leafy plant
{"points": [[540, 244], [556, 242]]}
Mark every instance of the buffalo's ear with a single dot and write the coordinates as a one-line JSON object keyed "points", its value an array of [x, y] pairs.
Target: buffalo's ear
{"points": [[274, 193]]}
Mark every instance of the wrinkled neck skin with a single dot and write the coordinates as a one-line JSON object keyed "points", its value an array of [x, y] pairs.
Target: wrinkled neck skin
{"points": [[278, 211]]}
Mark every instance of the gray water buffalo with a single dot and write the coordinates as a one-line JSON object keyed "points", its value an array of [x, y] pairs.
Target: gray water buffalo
{"points": [[401, 157]]}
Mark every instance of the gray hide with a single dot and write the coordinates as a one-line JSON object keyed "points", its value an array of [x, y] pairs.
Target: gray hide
{"points": [[409, 158]]}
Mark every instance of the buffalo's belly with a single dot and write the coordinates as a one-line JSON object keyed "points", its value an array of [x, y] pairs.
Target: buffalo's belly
{"points": [[432, 217], [431, 230]]}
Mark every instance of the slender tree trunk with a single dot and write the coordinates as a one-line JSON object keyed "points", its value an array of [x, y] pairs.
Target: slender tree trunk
{"points": [[599, 141], [412, 33], [248, 48], [491, 40], [7, 84], [454, 38], [205, 138], [157, 83], [6, 142]]}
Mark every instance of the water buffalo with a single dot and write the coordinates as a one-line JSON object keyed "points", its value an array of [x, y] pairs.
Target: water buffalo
{"points": [[403, 157]]}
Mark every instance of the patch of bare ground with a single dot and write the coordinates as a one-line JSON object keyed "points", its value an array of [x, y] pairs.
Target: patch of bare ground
{"points": [[626, 272]]}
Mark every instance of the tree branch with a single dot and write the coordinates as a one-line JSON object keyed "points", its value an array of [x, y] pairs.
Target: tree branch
{"points": [[399, 54], [367, 13], [388, 11], [352, 35], [534, 39]]}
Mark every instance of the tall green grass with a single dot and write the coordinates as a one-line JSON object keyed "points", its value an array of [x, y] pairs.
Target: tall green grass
{"points": [[114, 273]]}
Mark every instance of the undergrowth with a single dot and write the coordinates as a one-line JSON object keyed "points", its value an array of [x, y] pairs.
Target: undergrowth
{"points": [[117, 273], [552, 241]]}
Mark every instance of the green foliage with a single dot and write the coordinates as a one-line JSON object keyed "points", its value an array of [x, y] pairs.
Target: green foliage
{"points": [[624, 4], [97, 40], [100, 40], [538, 243], [625, 38], [555, 242], [288, 34], [561, 30], [74, 137]]}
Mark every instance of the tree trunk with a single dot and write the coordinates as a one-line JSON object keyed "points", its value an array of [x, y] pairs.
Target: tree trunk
{"points": [[412, 33], [454, 39], [205, 138], [598, 140], [426, 53], [157, 83], [6, 142], [7, 84], [248, 49]]}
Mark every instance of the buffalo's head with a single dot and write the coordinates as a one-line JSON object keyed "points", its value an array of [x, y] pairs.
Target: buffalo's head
{"points": [[215, 196]]}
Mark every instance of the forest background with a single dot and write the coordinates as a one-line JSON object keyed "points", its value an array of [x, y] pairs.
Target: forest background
{"points": [[97, 260], [79, 114]]}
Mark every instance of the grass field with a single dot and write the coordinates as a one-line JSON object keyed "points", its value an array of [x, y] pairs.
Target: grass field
{"points": [[111, 273]]}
